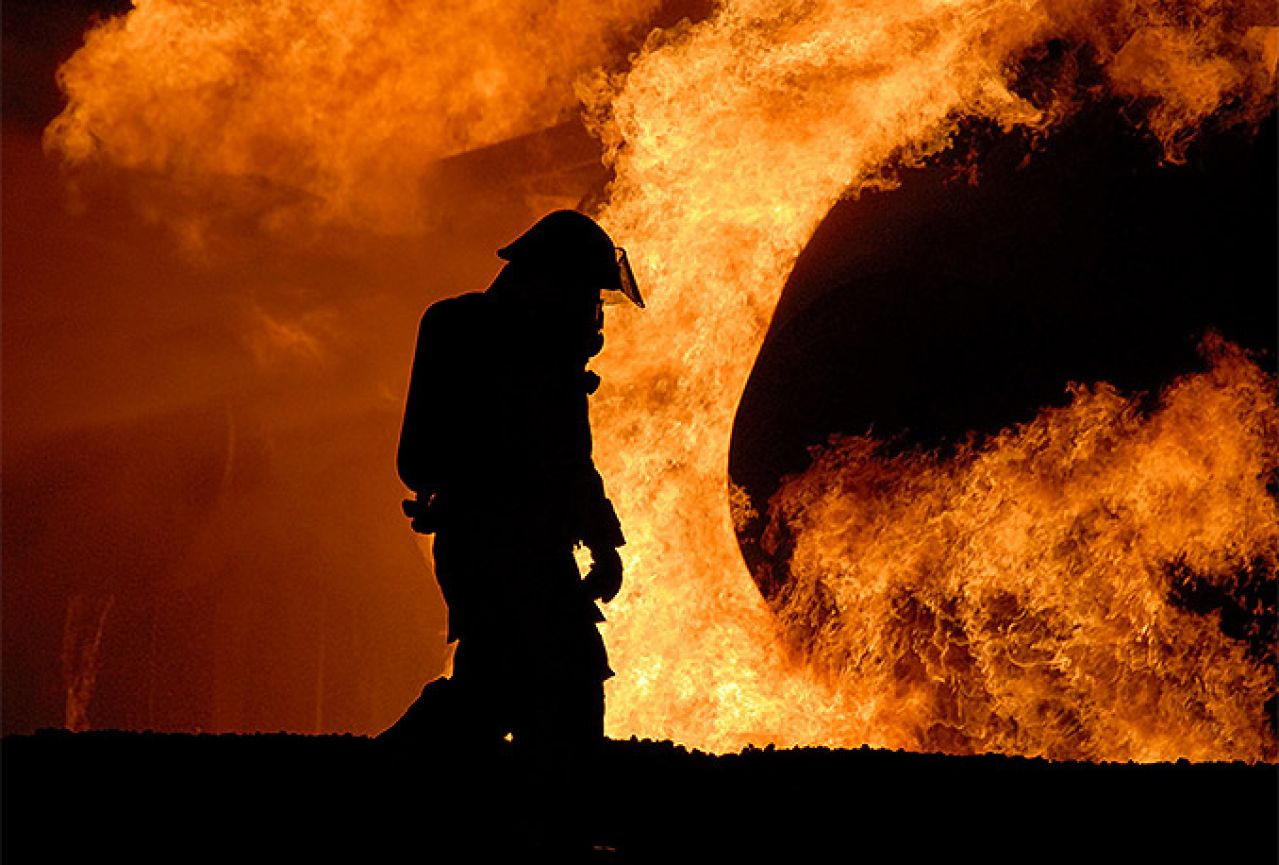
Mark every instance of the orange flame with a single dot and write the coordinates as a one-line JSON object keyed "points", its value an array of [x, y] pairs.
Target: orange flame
{"points": [[1019, 596], [731, 140]]}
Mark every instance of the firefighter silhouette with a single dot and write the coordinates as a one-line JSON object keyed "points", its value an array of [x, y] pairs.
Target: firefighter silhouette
{"points": [[496, 447]]}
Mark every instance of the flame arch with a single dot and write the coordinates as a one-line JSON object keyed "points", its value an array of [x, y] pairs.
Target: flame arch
{"points": [[730, 142]]}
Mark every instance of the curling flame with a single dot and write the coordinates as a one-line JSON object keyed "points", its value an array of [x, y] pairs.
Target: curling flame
{"points": [[1020, 596], [731, 140]]}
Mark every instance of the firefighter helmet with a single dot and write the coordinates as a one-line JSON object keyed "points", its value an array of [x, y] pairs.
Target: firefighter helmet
{"points": [[571, 244]]}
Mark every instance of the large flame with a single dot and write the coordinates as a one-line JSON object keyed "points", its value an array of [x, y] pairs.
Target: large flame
{"points": [[731, 140]]}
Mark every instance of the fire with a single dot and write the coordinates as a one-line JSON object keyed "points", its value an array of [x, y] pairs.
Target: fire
{"points": [[729, 140], [1022, 596]]}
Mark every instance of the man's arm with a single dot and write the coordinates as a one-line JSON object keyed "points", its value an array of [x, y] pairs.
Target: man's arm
{"points": [[428, 447], [602, 535]]}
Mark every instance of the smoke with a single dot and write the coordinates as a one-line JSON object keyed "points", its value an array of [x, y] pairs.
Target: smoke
{"points": [[309, 114]]}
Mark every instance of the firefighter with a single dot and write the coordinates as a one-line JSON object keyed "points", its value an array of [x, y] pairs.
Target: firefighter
{"points": [[496, 447]]}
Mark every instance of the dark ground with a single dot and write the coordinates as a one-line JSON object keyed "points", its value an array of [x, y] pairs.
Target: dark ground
{"points": [[289, 798]]}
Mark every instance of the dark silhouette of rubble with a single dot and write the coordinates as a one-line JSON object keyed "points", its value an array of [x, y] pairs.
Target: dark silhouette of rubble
{"points": [[281, 797]]}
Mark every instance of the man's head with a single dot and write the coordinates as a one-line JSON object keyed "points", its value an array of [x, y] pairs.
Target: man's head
{"points": [[568, 251]]}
